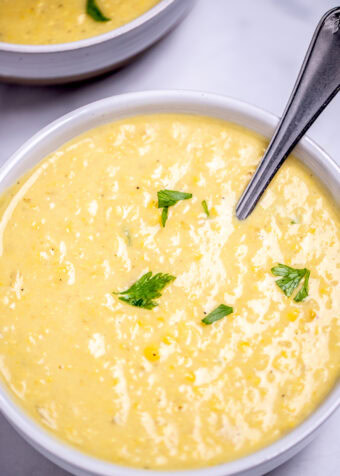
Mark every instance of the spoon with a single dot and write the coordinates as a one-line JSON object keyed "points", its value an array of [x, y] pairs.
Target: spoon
{"points": [[317, 84]]}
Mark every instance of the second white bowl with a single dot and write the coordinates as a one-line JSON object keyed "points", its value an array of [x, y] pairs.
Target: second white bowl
{"points": [[66, 62]]}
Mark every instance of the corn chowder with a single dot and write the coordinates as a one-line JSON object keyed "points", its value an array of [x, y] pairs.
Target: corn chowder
{"points": [[46, 22], [142, 322]]}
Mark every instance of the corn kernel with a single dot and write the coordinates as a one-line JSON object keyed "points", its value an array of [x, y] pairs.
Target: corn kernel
{"points": [[168, 340], [243, 345], [213, 212], [190, 377], [293, 315], [312, 314], [152, 353]]}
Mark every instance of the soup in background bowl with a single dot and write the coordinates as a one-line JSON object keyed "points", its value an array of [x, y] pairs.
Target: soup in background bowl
{"points": [[142, 323], [59, 21]]}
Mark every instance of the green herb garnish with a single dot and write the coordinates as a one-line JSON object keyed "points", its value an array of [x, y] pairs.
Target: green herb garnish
{"points": [[290, 280], [164, 215], [94, 11], [221, 311], [168, 198], [143, 292], [303, 293], [205, 208]]}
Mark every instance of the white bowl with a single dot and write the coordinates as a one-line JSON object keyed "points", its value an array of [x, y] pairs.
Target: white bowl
{"points": [[111, 109], [65, 62]]}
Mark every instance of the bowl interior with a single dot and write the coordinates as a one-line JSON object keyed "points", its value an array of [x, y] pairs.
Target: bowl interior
{"points": [[115, 108]]}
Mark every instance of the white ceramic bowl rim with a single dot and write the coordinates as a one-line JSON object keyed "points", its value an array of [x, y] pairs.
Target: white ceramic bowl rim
{"points": [[132, 102], [91, 41]]}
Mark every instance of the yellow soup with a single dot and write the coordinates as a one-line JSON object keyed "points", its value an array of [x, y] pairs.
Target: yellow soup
{"points": [[46, 22], [158, 388]]}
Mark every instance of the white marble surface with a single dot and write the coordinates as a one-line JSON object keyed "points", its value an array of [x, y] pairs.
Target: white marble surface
{"points": [[249, 49]]}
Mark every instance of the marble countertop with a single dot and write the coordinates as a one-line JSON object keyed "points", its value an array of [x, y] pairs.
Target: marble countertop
{"points": [[251, 50]]}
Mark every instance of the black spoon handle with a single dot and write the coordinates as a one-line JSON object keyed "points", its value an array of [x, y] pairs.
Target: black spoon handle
{"points": [[318, 82]]}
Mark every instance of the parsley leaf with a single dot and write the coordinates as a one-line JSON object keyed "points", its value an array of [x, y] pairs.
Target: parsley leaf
{"points": [[168, 198], [94, 11], [290, 280], [164, 215], [205, 208], [221, 311], [303, 293], [143, 292]]}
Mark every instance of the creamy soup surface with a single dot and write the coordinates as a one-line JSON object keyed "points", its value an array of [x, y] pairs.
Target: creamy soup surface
{"points": [[158, 388], [45, 22]]}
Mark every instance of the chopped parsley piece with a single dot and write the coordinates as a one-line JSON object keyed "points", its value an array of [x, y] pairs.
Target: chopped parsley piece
{"points": [[94, 11], [168, 198], [164, 215], [221, 311], [205, 208], [290, 280], [303, 293], [143, 292]]}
